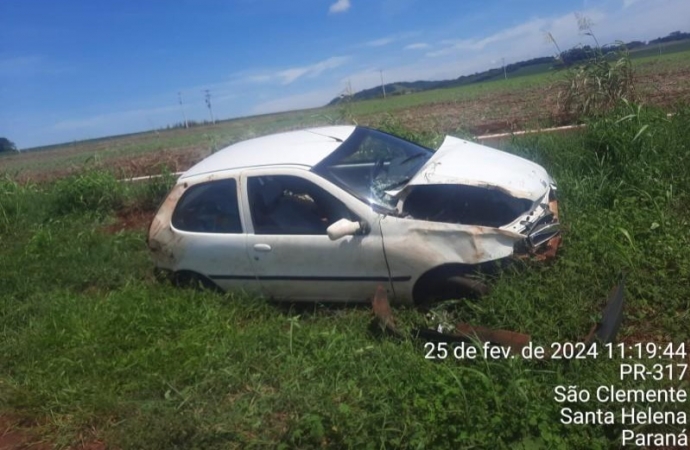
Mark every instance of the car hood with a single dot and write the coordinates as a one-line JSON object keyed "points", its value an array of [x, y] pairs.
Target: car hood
{"points": [[462, 162]]}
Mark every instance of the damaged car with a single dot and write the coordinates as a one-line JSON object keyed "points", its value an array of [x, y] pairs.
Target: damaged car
{"points": [[332, 213]]}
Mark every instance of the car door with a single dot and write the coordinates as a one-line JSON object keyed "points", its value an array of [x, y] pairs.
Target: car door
{"points": [[210, 235], [293, 256]]}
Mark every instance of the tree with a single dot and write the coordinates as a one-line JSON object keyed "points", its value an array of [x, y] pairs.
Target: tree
{"points": [[6, 145]]}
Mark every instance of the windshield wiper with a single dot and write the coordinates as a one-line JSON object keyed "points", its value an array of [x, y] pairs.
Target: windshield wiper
{"points": [[397, 184], [410, 158]]}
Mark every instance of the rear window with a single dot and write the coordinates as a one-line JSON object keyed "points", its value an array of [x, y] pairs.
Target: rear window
{"points": [[209, 208]]}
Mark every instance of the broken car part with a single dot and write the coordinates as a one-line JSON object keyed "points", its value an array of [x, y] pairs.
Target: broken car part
{"points": [[604, 331]]}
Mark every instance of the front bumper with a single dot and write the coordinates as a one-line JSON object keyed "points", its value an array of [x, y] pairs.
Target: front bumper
{"points": [[543, 237]]}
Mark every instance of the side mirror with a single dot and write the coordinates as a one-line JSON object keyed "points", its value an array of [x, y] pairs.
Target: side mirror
{"points": [[342, 228]]}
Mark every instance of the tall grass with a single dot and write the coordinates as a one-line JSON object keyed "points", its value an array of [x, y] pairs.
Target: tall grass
{"points": [[91, 344], [598, 84]]}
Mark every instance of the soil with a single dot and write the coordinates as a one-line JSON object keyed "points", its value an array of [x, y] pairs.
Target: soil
{"points": [[16, 434], [154, 162], [531, 107]]}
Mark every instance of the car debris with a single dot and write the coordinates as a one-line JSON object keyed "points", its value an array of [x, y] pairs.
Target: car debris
{"points": [[604, 331]]}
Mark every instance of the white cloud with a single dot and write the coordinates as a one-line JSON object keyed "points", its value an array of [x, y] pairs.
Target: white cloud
{"points": [[417, 46], [380, 42], [628, 20], [283, 76], [257, 78], [628, 3], [386, 40], [642, 20], [310, 99], [339, 6], [290, 75], [527, 38]]}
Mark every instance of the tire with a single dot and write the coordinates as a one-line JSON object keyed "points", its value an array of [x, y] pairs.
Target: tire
{"points": [[453, 281], [465, 286]]}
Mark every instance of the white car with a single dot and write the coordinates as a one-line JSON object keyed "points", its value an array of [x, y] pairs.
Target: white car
{"points": [[330, 214]]}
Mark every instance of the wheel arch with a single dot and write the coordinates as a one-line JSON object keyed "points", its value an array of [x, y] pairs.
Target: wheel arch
{"points": [[433, 282]]}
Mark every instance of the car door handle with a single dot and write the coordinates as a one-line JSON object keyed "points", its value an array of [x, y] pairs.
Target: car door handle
{"points": [[262, 247]]}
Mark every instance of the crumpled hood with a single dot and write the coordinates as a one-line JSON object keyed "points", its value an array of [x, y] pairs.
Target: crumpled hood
{"points": [[462, 162]]}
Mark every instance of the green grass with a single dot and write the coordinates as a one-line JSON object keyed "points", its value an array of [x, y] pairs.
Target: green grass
{"points": [[664, 49], [462, 93], [90, 340]]}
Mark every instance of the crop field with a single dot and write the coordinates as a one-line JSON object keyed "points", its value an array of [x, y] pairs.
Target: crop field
{"points": [[501, 105], [96, 352]]}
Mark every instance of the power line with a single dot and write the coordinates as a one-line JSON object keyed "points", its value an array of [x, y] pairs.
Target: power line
{"points": [[208, 104], [184, 116], [383, 86]]}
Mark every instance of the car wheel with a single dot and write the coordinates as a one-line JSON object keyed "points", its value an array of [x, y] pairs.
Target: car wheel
{"points": [[465, 286], [456, 287], [448, 282]]}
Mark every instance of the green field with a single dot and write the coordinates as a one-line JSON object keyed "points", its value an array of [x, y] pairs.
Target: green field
{"points": [[96, 353], [501, 105], [658, 50]]}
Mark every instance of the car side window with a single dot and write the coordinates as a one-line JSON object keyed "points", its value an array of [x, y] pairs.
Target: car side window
{"points": [[292, 205], [209, 208]]}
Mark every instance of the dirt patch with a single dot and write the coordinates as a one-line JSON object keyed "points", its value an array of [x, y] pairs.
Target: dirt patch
{"points": [[525, 108], [16, 434], [130, 220], [154, 162], [492, 112], [157, 162], [14, 437]]}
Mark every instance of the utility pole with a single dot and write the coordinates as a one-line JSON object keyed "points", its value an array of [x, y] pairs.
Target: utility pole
{"points": [[383, 86], [208, 104], [184, 116], [505, 75]]}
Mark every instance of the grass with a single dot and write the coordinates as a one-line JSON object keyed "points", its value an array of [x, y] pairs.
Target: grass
{"points": [[665, 48], [91, 344]]}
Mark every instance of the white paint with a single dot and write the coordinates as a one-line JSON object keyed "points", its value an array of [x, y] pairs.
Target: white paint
{"points": [[342, 228], [302, 148], [349, 268], [462, 162]]}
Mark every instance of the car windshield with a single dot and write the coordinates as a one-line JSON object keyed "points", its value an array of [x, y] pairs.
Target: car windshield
{"points": [[374, 166]]}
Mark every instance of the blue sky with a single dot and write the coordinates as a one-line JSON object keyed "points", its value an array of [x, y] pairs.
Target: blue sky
{"points": [[79, 69]]}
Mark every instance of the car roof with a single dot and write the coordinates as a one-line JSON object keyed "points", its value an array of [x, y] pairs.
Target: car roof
{"points": [[302, 147]]}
